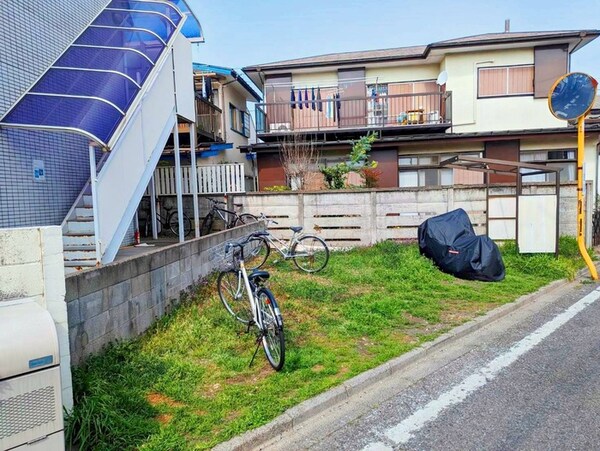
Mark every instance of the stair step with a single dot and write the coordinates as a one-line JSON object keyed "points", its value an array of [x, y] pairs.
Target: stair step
{"points": [[80, 227], [87, 200], [84, 212], [84, 219], [72, 255], [78, 263], [78, 239], [82, 247]]}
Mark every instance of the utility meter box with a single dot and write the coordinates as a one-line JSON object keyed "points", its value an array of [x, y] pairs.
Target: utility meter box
{"points": [[31, 415]]}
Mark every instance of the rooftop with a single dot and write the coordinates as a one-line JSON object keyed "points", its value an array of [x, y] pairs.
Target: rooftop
{"points": [[422, 51]]}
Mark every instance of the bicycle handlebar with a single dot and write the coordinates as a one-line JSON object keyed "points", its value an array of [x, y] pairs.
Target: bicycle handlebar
{"points": [[245, 241], [267, 220], [216, 201]]}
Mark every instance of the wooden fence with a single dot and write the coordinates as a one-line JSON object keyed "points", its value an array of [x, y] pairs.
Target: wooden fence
{"points": [[213, 179], [361, 218]]}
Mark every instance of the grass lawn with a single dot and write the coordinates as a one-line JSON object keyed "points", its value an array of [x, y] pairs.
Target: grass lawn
{"points": [[186, 384]]}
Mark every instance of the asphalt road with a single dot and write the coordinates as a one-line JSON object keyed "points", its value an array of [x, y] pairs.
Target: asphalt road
{"points": [[530, 381]]}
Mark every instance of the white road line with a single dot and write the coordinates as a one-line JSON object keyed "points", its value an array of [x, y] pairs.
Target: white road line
{"points": [[404, 431]]}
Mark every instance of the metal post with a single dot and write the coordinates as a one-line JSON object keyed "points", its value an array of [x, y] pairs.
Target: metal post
{"points": [[178, 185], [93, 181], [580, 209], [194, 176], [153, 208]]}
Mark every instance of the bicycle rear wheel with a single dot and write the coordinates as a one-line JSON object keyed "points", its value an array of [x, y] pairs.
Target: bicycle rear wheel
{"points": [[273, 339], [310, 253], [233, 295], [206, 226], [258, 253], [245, 218], [174, 224]]}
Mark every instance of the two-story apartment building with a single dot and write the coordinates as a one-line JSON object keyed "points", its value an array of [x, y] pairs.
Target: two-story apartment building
{"points": [[483, 95]]}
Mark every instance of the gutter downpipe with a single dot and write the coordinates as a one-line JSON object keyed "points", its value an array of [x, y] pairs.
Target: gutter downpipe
{"points": [[95, 209], [194, 181]]}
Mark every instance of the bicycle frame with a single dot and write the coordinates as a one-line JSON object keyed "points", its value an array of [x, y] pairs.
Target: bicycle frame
{"points": [[225, 217], [281, 246], [256, 318]]}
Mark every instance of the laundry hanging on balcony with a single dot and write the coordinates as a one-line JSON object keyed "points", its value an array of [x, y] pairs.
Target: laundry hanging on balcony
{"points": [[319, 103], [306, 101], [300, 98], [293, 98]]}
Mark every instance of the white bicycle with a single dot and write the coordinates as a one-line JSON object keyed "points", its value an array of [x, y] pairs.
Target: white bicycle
{"points": [[309, 252], [248, 300]]}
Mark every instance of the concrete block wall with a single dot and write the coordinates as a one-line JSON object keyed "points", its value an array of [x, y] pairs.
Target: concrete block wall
{"points": [[348, 218], [123, 299], [31, 265]]}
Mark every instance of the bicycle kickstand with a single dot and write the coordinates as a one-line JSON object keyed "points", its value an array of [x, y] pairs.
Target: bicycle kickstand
{"points": [[258, 340]]}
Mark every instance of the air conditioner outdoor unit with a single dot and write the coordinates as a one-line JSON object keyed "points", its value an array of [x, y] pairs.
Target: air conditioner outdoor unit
{"points": [[31, 415]]}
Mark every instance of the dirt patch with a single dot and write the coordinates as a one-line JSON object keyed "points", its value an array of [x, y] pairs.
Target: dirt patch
{"points": [[363, 346], [253, 378], [164, 418], [414, 319], [317, 368], [158, 398], [211, 391]]}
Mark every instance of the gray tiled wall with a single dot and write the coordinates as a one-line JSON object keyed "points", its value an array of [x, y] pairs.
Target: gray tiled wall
{"points": [[25, 201]]}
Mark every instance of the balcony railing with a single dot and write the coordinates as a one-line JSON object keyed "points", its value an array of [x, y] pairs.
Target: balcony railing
{"points": [[398, 110], [208, 120]]}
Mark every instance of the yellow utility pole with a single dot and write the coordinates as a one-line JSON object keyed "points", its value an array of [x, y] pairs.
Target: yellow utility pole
{"points": [[580, 210]]}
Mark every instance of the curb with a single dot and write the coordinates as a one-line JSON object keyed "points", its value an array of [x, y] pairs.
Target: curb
{"points": [[294, 416]]}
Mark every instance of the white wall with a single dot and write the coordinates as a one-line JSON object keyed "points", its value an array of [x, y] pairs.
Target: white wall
{"points": [[32, 265], [235, 95], [470, 114]]}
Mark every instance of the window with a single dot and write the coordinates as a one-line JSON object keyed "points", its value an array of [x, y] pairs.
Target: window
{"points": [[240, 121], [565, 159], [425, 170], [505, 81]]}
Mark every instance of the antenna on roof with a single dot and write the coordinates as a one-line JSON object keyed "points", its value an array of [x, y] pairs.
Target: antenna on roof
{"points": [[507, 25]]}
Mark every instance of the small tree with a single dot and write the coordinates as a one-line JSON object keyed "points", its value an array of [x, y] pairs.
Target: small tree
{"points": [[358, 161], [298, 157]]}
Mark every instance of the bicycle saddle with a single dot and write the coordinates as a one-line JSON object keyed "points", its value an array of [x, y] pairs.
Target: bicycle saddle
{"points": [[258, 276], [296, 229]]}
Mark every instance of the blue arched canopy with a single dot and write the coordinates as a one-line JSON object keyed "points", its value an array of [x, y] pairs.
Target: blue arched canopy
{"points": [[91, 86]]}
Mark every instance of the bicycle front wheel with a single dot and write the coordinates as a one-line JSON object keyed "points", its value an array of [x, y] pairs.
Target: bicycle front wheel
{"points": [[233, 295], [310, 253], [174, 224], [257, 254], [273, 339]]}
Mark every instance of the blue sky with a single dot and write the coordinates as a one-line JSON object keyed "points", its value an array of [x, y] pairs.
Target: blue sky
{"points": [[245, 32]]}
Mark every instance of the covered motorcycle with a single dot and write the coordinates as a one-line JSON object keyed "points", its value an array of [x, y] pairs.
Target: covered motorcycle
{"points": [[450, 241]]}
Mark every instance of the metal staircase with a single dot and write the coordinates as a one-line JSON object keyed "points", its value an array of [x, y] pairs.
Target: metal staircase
{"points": [[79, 245]]}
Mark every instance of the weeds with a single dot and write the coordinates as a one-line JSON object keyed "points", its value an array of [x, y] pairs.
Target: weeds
{"points": [[186, 384]]}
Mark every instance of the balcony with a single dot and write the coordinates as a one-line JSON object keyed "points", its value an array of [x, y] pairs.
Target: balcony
{"points": [[397, 114], [208, 120]]}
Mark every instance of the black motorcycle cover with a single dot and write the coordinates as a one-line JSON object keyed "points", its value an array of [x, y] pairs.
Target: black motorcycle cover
{"points": [[450, 241]]}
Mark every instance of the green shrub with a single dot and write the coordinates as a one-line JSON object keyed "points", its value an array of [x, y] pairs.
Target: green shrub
{"points": [[277, 188]]}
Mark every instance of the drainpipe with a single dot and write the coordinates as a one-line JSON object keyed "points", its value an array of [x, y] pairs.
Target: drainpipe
{"points": [[93, 182], [223, 113], [178, 184], [194, 177]]}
